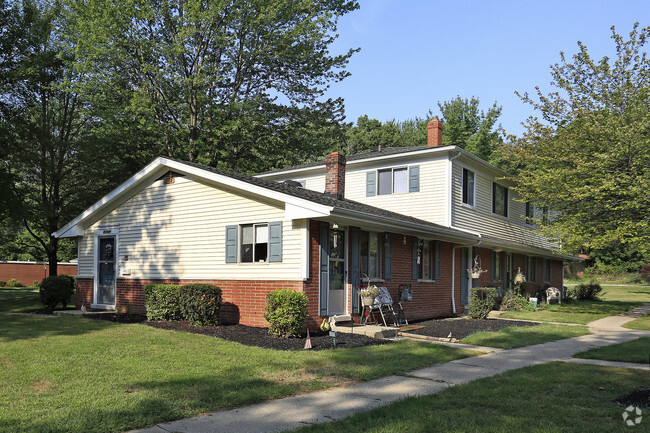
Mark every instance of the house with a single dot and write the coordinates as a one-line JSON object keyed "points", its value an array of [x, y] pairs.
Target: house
{"points": [[419, 216]]}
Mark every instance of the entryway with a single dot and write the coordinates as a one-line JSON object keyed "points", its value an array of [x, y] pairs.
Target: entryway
{"points": [[106, 264]]}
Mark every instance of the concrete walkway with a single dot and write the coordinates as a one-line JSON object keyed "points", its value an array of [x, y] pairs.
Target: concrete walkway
{"points": [[324, 406]]}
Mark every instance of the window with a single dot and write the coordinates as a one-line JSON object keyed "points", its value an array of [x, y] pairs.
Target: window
{"points": [[499, 199], [370, 254], [497, 266], [528, 218], [468, 187], [545, 215], [426, 263], [530, 269], [546, 270], [392, 181], [254, 243]]}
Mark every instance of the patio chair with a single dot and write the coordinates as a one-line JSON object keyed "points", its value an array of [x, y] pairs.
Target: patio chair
{"points": [[404, 293], [384, 301]]}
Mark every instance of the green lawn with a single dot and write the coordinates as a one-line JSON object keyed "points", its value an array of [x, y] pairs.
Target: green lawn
{"points": [[631, 351], [19, 299], [80, 375], [554, 397], [509, 338], [614, 300], [642, 323]]}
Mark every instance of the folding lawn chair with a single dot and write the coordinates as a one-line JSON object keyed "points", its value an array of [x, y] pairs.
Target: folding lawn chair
{"points": [[385, 301]]}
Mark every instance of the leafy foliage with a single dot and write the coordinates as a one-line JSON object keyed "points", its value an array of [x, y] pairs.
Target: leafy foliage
{"points": [[583, 292], [515, 302], [589, 159], [286, 311], [162, 301], [57, 289], [14, 283], [200, 304], [481, 302]]}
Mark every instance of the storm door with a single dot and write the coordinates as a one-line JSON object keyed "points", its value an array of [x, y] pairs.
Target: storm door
{"points": [[106, 271], [337, 283], [464, 276]]}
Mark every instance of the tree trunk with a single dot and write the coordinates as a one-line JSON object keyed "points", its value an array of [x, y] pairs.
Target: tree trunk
{"points": [[52, 253]]}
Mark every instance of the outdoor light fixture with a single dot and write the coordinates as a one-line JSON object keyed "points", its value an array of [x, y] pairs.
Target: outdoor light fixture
{"points": [[335, 225], [404, 240]]}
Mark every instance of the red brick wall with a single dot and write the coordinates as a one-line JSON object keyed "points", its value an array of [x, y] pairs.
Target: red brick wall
{"points": [[26, 273], [243, 301]]}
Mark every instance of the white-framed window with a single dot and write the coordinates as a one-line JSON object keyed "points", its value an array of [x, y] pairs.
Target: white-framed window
{"points": [[499, 199], [528, 216], [392, 181], [469, 189], [254, 245], [497, 266], [546, 270], [530, 269], [370, 243]]}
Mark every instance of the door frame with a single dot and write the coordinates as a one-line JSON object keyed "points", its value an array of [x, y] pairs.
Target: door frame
{"points": [[346, 294], [101, 233]]}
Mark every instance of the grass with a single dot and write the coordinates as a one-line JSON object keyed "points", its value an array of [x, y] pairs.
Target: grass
{"points": [[80, 375], [554, 397], [613, 300], [642, 323], [631, 351], [19, 299], [509, 338]]}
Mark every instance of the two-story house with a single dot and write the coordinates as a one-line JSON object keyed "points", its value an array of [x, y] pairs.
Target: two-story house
{"points": [[419, 216]]}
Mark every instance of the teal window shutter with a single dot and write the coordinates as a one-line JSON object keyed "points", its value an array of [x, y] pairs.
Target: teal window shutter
{"points": [[416, 267], [275, 241], [436, 275], [371, 183], [414, 178], [324, 268], [231, 244], [388, 256]]}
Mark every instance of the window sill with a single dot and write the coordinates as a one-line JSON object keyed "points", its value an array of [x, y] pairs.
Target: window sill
{"points": [[373, 280], [468, 206], [500, 216], [426, 281]]}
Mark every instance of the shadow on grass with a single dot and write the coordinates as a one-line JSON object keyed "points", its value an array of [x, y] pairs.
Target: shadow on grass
{"points": [[22, 327], [143, 404], [510, 338]]}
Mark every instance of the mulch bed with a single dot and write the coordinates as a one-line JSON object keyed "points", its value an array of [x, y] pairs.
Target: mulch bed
{"points": [[461, 328], [638, 398]]}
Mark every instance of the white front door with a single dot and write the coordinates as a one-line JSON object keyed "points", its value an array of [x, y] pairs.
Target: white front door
{"points": [[337, 280]]}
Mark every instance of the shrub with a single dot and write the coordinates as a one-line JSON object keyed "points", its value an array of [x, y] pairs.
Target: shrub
{"points": [[515, 302], [3, 283], [200, 304], [36, 283], [162, 301], [482, 300], [286, 311], [584, 292], [57, 289], [14, 283]]}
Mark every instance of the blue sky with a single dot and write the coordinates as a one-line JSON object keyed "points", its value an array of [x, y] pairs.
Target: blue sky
{"points": [[415, 53]]}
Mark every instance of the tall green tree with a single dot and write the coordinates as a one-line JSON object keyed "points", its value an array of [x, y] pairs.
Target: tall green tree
{"points": [[52, 163], [229, 83], [470, 128], [589, 156]]}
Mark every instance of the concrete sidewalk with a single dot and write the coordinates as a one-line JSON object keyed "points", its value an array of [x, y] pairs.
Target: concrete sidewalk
{"points": [[337, 403]]}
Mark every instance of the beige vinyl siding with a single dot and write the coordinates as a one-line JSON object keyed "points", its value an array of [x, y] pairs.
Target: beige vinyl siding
{"points": [[428, 204], [85, 259], [481, 219], [178, 231]]}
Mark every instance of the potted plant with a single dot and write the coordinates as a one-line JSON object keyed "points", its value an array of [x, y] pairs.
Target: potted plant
{"points": [[368, 295], [476, 270], [518, 281]]}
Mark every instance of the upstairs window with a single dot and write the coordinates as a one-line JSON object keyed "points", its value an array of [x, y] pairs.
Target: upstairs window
{"points": [[528, 217], [392, 181], [254, 243], [499, 199], [468, 187]]}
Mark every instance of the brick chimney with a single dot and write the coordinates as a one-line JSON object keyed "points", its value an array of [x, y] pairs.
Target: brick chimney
{"points": [[434, 133], [335, 175]]}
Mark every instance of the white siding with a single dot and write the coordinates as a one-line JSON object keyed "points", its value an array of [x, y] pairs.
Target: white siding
{"points": [[428, 204], [481, 219], [178, 231]]}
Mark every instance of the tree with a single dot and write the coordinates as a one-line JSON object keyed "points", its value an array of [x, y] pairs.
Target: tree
{"points": [[233, 83], [467, 127], [589, 158], [52, 164]]}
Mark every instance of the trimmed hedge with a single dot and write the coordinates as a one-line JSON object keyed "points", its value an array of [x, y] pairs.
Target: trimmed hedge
{"points": [[57, 289], [286, 311], [162, 301], [197, 303], [200, 304], [482, 300]]}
